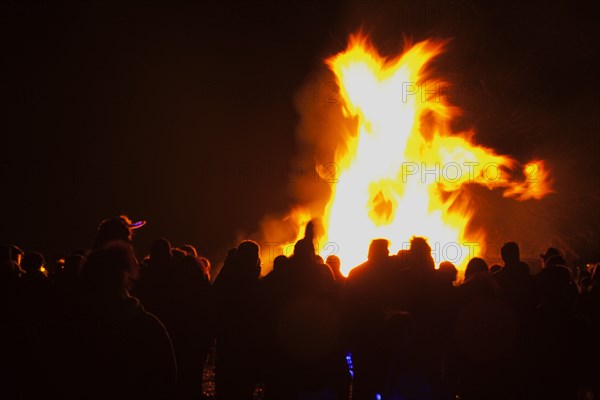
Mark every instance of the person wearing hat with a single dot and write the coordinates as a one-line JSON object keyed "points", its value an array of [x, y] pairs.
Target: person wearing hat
{"points": [[548, 255], [113, 348], [116, 229]]}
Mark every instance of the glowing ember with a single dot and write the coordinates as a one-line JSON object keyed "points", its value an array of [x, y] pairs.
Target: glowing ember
{"points": [[403, 171]]}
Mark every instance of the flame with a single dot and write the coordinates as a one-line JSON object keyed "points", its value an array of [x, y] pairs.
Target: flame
{"points": [[404, 170]]}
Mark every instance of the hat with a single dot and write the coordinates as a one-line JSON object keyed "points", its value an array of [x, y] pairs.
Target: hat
{"points": [[122, 220], [117, 228], [551, 252]]}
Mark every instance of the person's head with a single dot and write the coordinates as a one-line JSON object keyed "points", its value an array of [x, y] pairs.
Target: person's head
{"points": [[279, 262], [111, 267], [379, 249], [193, 265], [510, 253], [495, 268], [160, 250], [550, 252], [420, 253], [248, 256], [205, 265], [314, 229], [117, 228], [334, 262], [16, 254], [447, 271], [304, 250], [32, 261], [189, 249], [475, 266]]}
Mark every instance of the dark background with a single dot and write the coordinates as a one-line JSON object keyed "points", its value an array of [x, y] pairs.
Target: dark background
{"points": [[185, 115]]}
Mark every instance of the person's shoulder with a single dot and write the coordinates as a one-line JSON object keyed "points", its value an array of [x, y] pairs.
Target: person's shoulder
{"points": [[359, 272], [146, 320]]}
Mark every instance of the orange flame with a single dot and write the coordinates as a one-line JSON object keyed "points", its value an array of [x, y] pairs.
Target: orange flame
{"points": [[403, 172]]}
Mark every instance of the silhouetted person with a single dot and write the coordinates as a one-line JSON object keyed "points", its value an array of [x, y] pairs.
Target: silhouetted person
{"points": [[554, 363], [368, 299], [443, 295], [421, 298], [206, 267], [335, 264], [156, 284], [9, 323], [34, 309], [550, 253], [280, 263], [189, 250], [587, 309], [554, 282], [512, 260], [515, 281], [275, 292], [177, 290], [237, 288], [116, 349], [484, 334], [495, 268], [447, 272], [420, 254], [192, 329], [474, 266], [117, 228], [303, 328], [16, 257]]}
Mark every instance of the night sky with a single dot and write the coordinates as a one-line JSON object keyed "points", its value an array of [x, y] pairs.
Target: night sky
{"points": [[186, 116]]}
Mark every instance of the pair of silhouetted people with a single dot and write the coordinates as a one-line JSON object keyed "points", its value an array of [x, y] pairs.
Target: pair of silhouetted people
{"points": [[174, 285]]}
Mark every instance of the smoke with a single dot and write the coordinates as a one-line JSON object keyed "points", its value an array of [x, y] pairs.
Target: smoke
{"points": [[511, 96]]}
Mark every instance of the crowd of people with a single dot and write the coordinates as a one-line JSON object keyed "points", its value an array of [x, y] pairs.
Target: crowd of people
{"points": [[100, 325]]}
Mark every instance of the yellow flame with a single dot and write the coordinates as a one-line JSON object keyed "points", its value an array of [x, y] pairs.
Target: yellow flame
{"points": [[404, 169]]}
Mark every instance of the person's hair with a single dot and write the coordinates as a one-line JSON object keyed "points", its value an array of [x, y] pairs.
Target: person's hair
{"points": [[189, 249], [419, 246], [111, 229], [420, 253], [448, 271], [160, 250], [495, 268], [304, 250], [248, 252], [379, 248], [279, 262], [475, 266], [334, 262], [247, 258], [510, 252], [205, 262]]}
